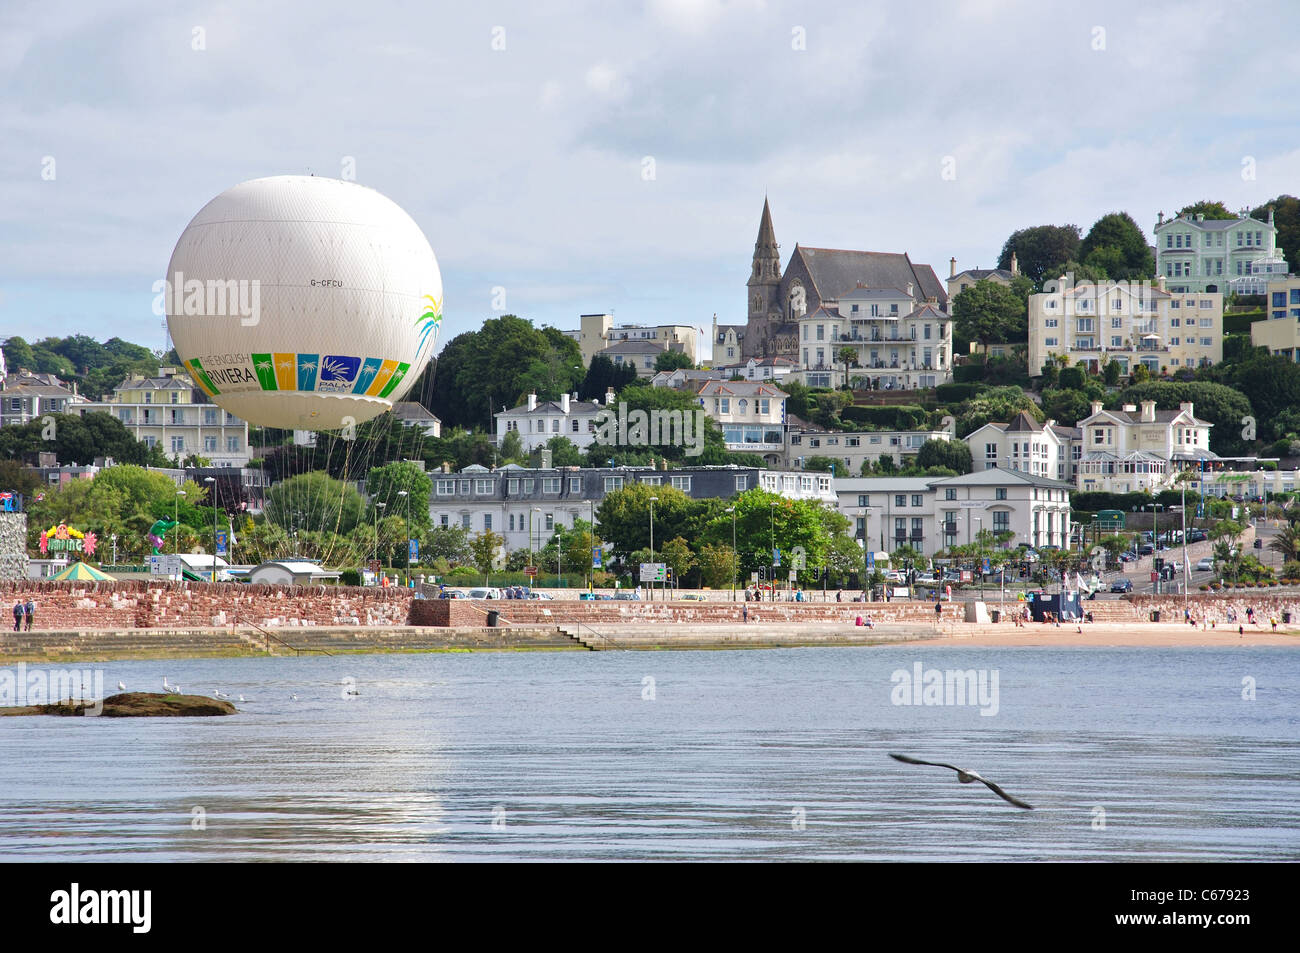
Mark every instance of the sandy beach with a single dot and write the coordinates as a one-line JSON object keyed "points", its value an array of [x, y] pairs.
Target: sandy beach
{"points": [[1140, 635]]}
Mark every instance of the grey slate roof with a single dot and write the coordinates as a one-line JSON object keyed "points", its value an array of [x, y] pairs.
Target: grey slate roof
{"points": [[631, 347], [979, 274], [837, 272]]}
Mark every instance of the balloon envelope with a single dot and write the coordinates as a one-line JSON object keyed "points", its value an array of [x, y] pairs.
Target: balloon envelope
{"points": [[303, 302]]}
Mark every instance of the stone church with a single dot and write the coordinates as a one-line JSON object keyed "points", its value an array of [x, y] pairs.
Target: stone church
{"points": [[814, 278]]}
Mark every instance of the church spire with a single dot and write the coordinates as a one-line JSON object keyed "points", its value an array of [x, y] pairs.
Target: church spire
{"points": [[767, 254]]}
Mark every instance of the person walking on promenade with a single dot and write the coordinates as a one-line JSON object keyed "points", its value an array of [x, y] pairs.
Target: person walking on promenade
{"points": [[29, 610], [744, 610], [18, 616]]}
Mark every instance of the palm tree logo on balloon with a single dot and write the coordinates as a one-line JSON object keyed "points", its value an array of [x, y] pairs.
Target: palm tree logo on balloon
{"points": [[429, 322]]}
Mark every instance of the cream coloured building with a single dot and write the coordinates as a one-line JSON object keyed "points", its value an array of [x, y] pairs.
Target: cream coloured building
{"points": [[1132, 449], [1279, 331], [1046, 450], [170, 412], [1129, 322], [932, 514], [596, 332]]}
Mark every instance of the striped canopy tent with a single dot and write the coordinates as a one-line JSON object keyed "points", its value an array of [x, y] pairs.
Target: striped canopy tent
{"points": [[84, 572]]}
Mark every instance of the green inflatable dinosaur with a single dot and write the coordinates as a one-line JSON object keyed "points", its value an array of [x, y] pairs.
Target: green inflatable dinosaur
{"points": [[156, 533]]}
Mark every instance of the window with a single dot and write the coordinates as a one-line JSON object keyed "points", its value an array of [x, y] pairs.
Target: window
{"points": [[448, 487], [916, 499], [575, 426], [209, 445], [742, 483], [613, 483], [178, 444], [464, 520], [555, 425], [1051, 322], [442, 520], [863, 499], [999, 493], [550, 521], [1117, 322], [651, 481], [900, 499], [526, 486], [1116, 340], [483, 487], [742, 406], [232, 445], [487, 521], [464, 486], [725, 406], [1049, 342], [1173, 342], [575, 484], [1001, 521], [1207, 342], [210, 418], [950, 493], [763, 405], [512, 523], [1207, 322], [682, 483], [176, 397], [551, 484]]}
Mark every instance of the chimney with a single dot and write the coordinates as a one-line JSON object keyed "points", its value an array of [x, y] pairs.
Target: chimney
{"points": [[1160, 218], [1096, 408], [1148, 411], [1130, 408], [609, 397], [564, 403], [532, 401], [909, 289], [1200, 216], [1186, 407], [1270, 216], [1015, 265], [1160, 282], [952, 267], [446, 467]]}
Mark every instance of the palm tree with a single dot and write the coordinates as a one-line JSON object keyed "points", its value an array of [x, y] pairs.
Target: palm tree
{"points": [[848, 356], [1286, 542]]}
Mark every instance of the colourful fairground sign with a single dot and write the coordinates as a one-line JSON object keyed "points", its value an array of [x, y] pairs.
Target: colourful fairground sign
{"points": [[65, 539]]}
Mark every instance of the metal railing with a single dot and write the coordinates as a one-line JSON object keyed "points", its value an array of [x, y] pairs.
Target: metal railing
{"points": [[295, 649]]}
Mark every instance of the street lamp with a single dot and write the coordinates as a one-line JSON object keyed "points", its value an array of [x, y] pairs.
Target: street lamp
{"points": [[653, 501], [175, 519], [771, 513], [735, 561], [406, 510], [379, 508], [979, 564], [538, 511], [213, 481]]}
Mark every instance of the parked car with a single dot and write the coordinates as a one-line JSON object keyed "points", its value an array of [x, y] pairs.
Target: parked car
{"points": [[927, 579], [694, 597], [1206, 564], [484, 592], [624, 596], [1197, 536], [588, 596], [1127, 557], [1146, 549], [1121, 585], [452, 594], [543, 595]]}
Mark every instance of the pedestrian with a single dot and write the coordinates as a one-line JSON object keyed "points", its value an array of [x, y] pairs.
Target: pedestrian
{"points": [[30, 611], [18, 615], [1241, 632], [744, 610], [839, 595], [1274, 621], [938, 612]]}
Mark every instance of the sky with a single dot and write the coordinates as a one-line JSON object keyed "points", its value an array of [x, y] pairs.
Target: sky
{"points": [[596, 157]]}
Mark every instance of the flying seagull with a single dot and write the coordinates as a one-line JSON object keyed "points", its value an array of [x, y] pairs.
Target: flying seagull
{"points": [[965, 777]]}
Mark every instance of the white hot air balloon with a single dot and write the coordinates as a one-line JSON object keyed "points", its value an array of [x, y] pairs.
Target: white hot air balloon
{"points": [[303, 303]]}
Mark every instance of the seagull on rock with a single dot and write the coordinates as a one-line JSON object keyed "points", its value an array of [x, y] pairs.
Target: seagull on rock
{"points": [[966, 777], [121, 687]]}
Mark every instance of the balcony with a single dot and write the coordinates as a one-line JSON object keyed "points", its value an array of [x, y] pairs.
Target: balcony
{"points": [[916, 537], [900, 538], [950, 529]]}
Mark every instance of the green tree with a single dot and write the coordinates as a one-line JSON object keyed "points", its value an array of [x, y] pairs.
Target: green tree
{"points": [[1040, 250], [846, 357], [1211, 210], [512, 448], [952, 454], [386, 485], [1222, 406], [1286, 218], [672, 361], [564, 453], [315, 501], [491, 369], [1000, 404], [1111, 373], [1066, 407], [646, 443], [676, 553], [1116, 243], [486, 547], [603, 376], [451, 543], [718, 566], [988, 312]]}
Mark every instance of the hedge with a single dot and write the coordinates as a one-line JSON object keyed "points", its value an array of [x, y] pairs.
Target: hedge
{"points": [[967, 373], [897, 417], [956, 392]]}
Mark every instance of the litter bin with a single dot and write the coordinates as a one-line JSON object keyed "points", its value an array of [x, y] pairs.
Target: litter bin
{"points": [[1155, 615], [995, 615], [1286, 618], [493, 617]]}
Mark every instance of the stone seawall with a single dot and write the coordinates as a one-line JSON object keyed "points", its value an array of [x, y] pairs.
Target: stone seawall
{"points": [[148, 604]]}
